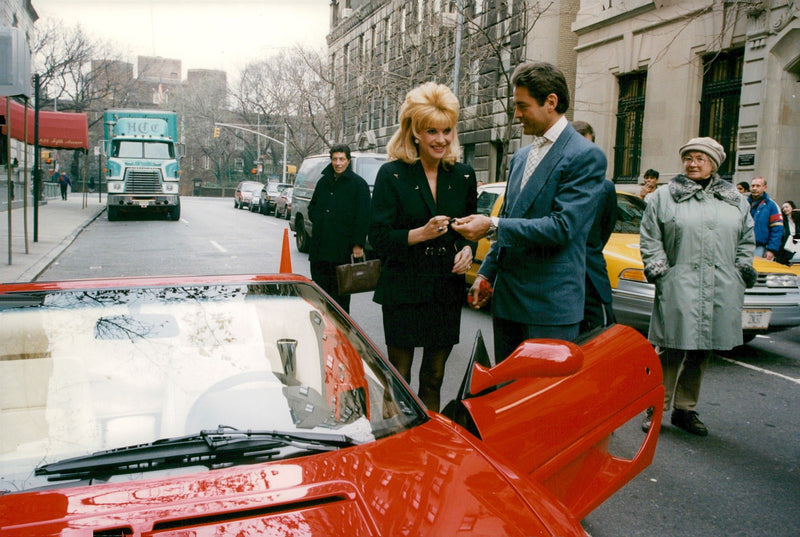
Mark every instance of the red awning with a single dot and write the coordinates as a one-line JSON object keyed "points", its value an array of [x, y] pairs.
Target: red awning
{"points": [[57, 130]]}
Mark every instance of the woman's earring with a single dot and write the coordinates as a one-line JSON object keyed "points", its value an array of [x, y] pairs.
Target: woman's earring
{"points": [[416, 141]]}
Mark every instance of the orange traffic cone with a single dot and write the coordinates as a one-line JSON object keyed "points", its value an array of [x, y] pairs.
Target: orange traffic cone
{"points": [[286, 256]]}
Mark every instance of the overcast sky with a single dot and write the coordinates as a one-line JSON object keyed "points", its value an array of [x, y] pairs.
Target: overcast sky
{"points": [[203, 34]]}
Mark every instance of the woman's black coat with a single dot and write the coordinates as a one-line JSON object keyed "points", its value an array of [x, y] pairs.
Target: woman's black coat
{"points": [[402, 200]]}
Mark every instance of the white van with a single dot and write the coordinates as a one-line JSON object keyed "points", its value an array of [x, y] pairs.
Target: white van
{"points": [[364, 164]]}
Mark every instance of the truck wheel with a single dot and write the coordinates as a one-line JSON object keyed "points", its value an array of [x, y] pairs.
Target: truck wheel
{"points": [[112, 213], [174, 213], [302, 238]]}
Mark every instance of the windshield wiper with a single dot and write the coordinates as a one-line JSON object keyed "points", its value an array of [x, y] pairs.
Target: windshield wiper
{"points": [[209, 447]]}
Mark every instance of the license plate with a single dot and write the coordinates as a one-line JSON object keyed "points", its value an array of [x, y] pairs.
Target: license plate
{"points": [[756, 319]]}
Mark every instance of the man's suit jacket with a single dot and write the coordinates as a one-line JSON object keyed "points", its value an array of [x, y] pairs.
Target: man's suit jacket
{"points": [[538, 262], [601, 230], [402, 200]]}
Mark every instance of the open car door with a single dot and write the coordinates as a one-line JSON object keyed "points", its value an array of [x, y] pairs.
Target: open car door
{"points": [[550, 408]]}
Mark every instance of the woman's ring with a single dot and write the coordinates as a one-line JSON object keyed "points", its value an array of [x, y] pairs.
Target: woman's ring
{"points": [[441, 228]]}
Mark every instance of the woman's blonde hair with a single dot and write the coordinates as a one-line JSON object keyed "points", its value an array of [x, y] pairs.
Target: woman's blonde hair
{"points": [[428, 105]]}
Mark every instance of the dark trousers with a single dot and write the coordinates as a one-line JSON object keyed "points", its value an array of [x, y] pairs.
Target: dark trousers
{"points": [[63, 191], [323, 273], [509, 334]]}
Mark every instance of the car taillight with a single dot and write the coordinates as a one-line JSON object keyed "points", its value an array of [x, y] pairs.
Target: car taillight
{"points": [[633, 274]]}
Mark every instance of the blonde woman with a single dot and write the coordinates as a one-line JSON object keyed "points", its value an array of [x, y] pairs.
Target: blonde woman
{"points": [[421, 288]]}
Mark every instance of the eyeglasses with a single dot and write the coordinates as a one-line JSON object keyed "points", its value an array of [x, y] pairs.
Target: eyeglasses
{"points": [[700, 160]]}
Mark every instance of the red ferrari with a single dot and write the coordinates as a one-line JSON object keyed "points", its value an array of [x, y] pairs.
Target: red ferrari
{"points": [[252, 405]]}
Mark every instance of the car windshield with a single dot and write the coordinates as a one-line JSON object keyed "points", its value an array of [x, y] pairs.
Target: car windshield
{"points": [[487, 198], [137, 149], [276, 188], [100, 369], [252, 187], [367, 167], [629, 213]]}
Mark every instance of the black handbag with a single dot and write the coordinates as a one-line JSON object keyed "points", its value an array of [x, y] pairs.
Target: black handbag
{"points": [[358, 277]]}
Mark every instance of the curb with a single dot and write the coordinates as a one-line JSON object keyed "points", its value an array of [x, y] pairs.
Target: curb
{"points": [[44, 263]]}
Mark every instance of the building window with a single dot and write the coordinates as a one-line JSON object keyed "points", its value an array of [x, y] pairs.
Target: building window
{"points": [[630, 118], [719, 104], [238, 165], [469, 154]]}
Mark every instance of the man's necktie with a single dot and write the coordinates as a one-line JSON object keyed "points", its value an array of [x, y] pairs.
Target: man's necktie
{"points": [[534, 157]]}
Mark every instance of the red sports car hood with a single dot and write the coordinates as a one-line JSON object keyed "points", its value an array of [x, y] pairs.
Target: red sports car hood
{"points": [[430, 480]]}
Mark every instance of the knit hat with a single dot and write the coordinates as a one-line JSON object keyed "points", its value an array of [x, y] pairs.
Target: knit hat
{"points": [[706, 145]]}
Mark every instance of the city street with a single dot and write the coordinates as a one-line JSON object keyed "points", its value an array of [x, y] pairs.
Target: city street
{"points": [[743, 479]]}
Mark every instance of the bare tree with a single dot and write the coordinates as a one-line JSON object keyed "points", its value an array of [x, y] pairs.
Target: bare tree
{"points": [[283, 91], [75, 69], [202, 107]]}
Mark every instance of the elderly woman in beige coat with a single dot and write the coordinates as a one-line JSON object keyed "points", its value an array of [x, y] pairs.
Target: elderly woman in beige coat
{"points": [[697, 245]]}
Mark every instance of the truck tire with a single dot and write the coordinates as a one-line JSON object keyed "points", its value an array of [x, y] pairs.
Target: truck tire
{"points": [[112, 213], [302, 238], [174, 213]]}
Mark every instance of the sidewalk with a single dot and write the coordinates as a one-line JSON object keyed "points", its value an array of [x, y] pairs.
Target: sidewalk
{"points": [[59, 223]]}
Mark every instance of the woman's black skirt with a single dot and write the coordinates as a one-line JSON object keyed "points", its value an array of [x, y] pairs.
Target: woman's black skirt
{"points": [[432, 324]]}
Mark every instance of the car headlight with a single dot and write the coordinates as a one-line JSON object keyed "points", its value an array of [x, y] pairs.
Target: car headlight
{"points": [[782, 280], [115, 186]]}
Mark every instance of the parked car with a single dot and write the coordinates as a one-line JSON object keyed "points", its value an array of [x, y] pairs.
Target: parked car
{"points": [[246, 194], [253, 405], [269, 195], [283, 205], [364, 164], [773, 304]]}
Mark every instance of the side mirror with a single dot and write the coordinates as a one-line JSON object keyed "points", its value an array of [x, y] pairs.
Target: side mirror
{"points": [[533, 358]]}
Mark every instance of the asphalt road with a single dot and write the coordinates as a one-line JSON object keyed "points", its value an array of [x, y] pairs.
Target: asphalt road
{"points": [[742, 480]]}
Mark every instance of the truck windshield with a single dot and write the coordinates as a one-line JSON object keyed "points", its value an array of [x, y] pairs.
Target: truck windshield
{"points": [[136, 149]]}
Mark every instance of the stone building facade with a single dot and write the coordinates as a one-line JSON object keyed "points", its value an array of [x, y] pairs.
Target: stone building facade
{"points": [[652, 74], [19, 14], [380, 49]]}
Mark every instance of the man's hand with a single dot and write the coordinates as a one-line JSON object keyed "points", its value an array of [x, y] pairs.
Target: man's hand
{"points": [[479, 293], [358, 251], [472, 227], [769, 256]]}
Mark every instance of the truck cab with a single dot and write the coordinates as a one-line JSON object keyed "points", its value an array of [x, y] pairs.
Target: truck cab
{"points": [[142, 167]]}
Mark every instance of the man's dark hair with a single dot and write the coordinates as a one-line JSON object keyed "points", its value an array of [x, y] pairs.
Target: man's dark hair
{"points": [[651, 173], [745, 185], [583, 128], [541, 79], [341, 148]]}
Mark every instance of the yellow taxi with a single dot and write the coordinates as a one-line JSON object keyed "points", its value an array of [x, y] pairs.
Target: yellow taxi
{"points": [[773, 304]]}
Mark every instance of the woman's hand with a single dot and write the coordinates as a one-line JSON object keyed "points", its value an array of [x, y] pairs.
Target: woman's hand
{"points": [[433, 229], [463, 261]]}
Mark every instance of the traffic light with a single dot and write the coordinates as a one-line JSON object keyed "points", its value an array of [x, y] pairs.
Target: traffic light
{"points": [[216, 132]]}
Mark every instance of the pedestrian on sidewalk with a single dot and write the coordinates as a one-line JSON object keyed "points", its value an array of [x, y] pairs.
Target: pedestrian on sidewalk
{"points": [[64, 182]]}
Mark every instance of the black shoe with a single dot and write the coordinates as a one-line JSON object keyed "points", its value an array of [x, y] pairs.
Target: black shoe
{"points": [[648, 420], [689, 422]]}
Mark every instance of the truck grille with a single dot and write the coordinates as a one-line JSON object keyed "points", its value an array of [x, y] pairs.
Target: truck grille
{"points": [[143, 181]]}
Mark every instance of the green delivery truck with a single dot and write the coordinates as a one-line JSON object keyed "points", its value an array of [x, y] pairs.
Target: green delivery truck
{"points": [[142, 162]]}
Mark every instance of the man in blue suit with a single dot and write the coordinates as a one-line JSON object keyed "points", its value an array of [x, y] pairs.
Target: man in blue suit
{"points": [[537, 262]]}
